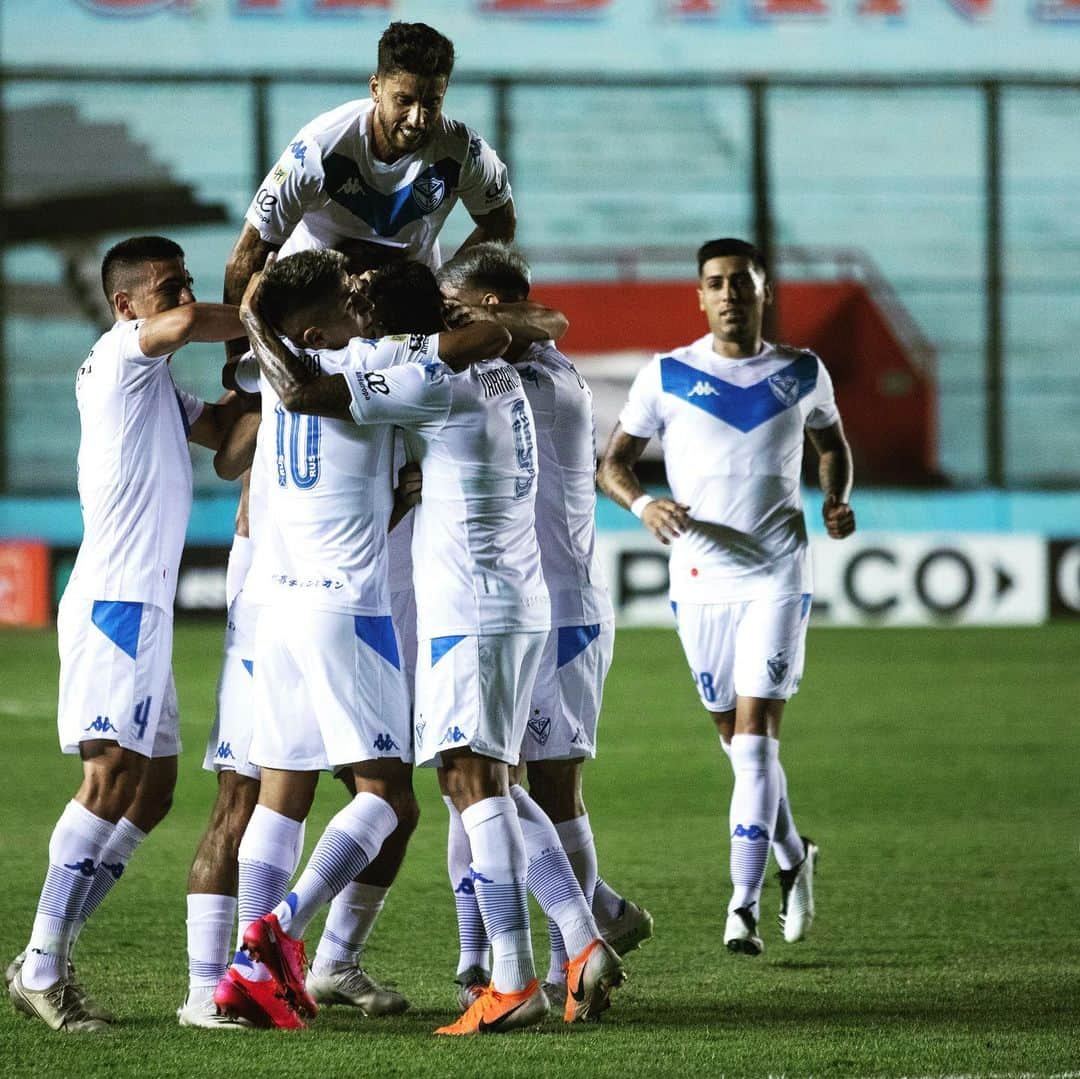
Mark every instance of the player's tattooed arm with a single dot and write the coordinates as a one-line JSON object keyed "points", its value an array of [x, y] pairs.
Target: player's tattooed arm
{"points": [[835, 474], [163, 334], [406, 494], [247, 258], [299, 388], [237, 449], [663, 517], [499, 224]]}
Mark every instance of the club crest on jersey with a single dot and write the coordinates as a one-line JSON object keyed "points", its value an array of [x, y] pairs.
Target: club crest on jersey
{"points": [[785, 388], [701, 388], [777, 666], [428, 193]]}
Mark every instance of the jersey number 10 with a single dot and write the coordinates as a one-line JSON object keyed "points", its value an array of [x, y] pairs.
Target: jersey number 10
{"points": [[303, 470]]}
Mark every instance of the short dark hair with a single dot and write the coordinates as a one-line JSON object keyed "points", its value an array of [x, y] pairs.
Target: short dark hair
{"points": [[716, 249], [297, 282], [122, 261], [416, 48], [406, 299], [491, 266]]}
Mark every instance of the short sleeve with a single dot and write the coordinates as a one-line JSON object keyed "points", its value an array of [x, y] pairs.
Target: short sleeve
{"points": [[484, 185], [293, 187], [129, 349], [405, 348], [823, 411], [246, 374], [640, 416], [413, 396]]}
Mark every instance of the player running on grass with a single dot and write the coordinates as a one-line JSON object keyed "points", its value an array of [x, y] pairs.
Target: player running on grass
{"points": [[483, 615], [117, 706], [565, 707], [731, 411]]}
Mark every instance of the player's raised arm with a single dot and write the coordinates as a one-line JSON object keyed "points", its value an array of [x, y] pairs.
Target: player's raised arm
{"points": [[498, 224], [163, 334], [663, 517], [526, 320], [473, 343], [836, 475]]}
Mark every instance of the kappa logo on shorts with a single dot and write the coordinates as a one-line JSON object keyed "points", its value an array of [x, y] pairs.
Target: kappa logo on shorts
{"points": [[385, 744], [102, 725], [455, 735], [579, 737], [785, 388], [540, 727], [778, 667], [224, 752]]}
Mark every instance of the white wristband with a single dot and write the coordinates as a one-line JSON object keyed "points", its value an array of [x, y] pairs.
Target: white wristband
{"points": [[637, 507]]}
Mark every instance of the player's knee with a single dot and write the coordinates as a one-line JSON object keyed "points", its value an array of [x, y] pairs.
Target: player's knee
{"points": [[110, 783]]}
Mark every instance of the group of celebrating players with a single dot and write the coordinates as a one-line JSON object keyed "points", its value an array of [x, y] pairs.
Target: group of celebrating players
{"points": [[413, 581]]}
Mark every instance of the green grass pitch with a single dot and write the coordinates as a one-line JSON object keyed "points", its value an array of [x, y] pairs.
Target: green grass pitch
{"points": [[936, 769]]}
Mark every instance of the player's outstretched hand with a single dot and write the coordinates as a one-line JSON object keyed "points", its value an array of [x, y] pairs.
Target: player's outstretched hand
{"points": [[839, 517], [457, 314], [410, 485], [664, 518]]}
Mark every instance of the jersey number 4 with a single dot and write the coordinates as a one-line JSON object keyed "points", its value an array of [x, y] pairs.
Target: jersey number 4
{"points": [[301, 463]]}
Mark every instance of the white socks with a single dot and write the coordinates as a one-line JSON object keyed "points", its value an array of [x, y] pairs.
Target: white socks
{"points": [[114, 859], [498, 871], [269, 854], [754, 802], [550, 876], [352, 917], [211, 920], [75, 850], [351, 840], [474, 949]]}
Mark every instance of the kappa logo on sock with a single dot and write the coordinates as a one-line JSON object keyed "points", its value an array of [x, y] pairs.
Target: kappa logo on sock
{"points": [[115, 868], [778, 667], [540, 727], [102, 725], [478, 876], [86, 867], [752, 833], [466, 887]]}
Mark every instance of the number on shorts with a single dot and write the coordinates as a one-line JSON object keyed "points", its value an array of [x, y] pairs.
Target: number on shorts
{"points": [[304, 469], [705, 685]]}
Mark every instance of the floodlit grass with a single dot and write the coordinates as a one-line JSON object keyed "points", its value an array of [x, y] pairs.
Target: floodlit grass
{"points": [[937, 771]]}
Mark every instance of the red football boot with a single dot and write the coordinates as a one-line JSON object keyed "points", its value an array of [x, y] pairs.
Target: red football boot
{"points": [[263, 1004], [267, 942]]}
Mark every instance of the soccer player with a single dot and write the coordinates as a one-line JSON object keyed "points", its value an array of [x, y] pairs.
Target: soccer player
{"points": [[379, 177], [731, 411], [117, 706], [483, 614], [565, 707]]}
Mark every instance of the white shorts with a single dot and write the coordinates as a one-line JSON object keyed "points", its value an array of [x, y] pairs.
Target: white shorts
{"points": [[474, 692], [403, 609], [568, 693], [329, 690], [751, 649], [229, 744], [116, 678]]}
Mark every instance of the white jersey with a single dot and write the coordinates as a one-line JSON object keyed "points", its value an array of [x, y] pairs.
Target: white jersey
{"points": [[134, 472], [328, 185], [328, 493], [565, 429], [732, 435], [476, 563]]}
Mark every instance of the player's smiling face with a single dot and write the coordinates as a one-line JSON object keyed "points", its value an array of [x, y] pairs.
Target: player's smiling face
{"points": [[733, 293], [407, 107]]}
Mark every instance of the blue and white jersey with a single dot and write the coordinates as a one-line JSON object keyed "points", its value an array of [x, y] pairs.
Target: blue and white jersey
{"points": [[134, 472], [325, 493], [328, 186], [732, 434], [562, 409], [476, 562]]}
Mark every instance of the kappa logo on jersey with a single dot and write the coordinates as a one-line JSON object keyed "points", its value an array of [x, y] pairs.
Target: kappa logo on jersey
{"points": [[455, 735], [778, 667], [786, 388], [102, 725], [385, 744], [352, 186], [225, 752], [703, 389], [298, 150], [540, 728], [752, 833], [428, 193], [476, 147]]}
